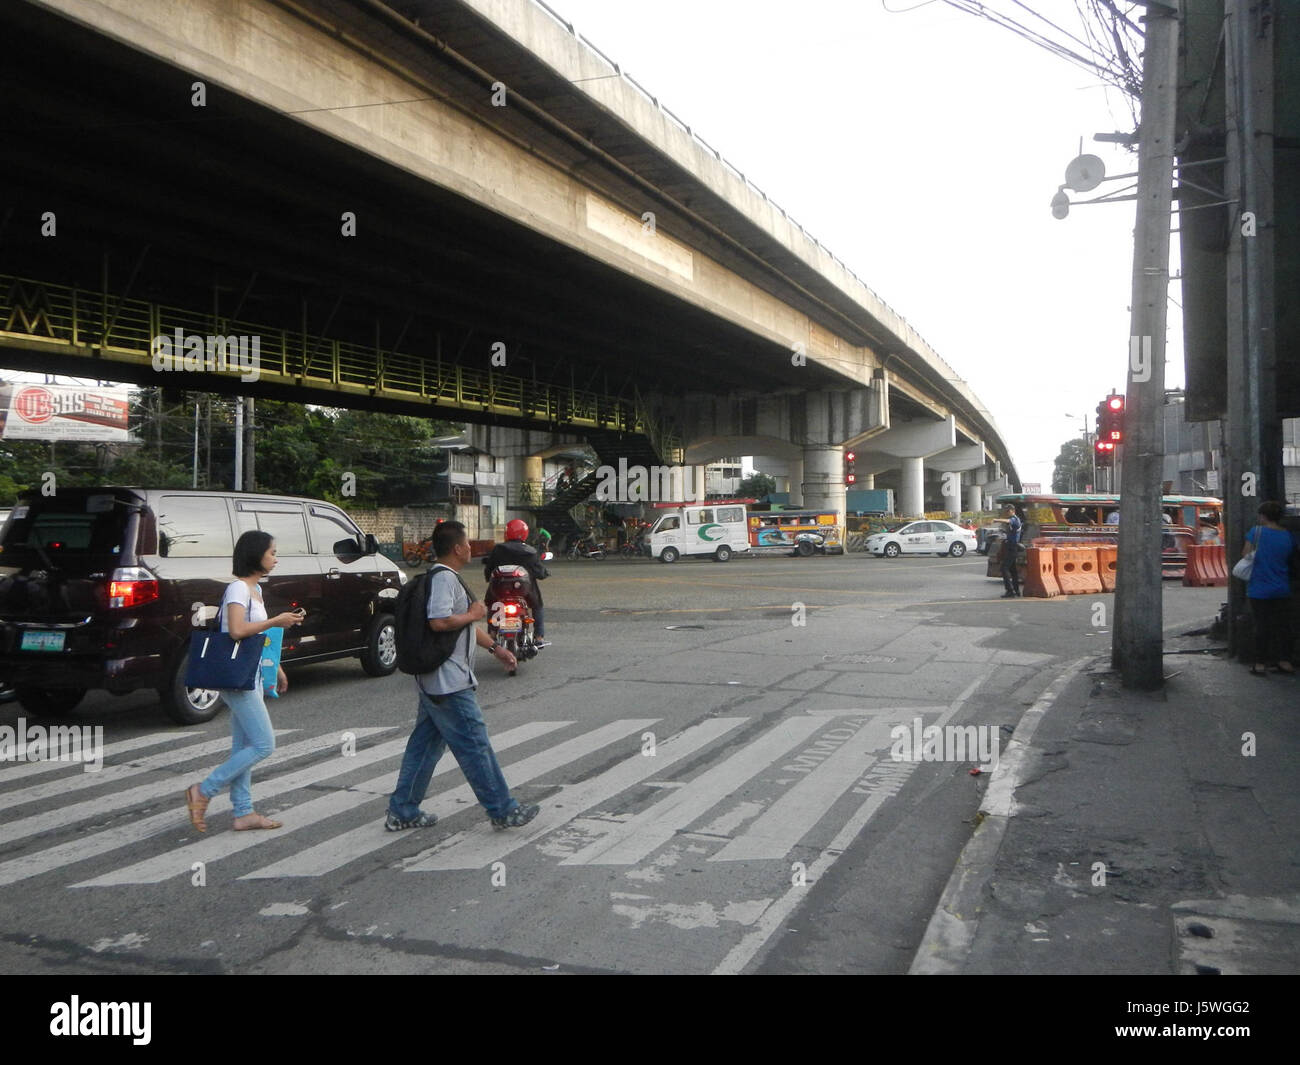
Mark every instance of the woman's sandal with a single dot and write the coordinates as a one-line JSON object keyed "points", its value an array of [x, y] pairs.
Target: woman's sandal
{"points": [[1289, 671], [266, 823], [1255, 671], [197, 807]]}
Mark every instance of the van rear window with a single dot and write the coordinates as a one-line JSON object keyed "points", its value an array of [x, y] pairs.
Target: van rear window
{"points": [[61, 531]]}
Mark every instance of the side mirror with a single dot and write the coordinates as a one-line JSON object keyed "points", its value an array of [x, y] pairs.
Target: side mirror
{"points": [[349, 549]]}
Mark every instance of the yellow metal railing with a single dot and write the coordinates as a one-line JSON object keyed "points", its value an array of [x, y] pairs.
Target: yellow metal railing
{"points": [[122, 330]]}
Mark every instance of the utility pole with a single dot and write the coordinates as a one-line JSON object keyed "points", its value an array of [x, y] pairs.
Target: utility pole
{"points": [[1137, 650], [251, 454], [239, 443], [1253, 441]]}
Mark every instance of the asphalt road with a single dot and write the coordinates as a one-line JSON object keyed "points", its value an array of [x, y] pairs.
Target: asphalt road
{"points": [[710, 744]]}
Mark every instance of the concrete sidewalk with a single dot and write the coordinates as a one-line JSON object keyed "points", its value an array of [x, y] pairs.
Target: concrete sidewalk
{"points": [[1136, 833]]}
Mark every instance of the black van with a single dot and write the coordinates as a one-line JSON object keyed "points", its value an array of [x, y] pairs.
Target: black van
{"points": [[102, 587]]}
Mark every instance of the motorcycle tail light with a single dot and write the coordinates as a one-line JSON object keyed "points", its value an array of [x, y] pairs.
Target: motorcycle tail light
{"points": [[131, 586], [511, 608]]}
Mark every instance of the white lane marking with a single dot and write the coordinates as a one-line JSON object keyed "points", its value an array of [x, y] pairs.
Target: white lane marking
{"points": [[776, 915], [879, 711], [797, 812], [633, 840], [173, 819], [338, 851], [478, 849], [113, 773], [62, 816], [111, 750]]}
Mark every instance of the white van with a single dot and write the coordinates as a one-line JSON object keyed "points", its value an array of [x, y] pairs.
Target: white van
{"points": [[717, 530]]}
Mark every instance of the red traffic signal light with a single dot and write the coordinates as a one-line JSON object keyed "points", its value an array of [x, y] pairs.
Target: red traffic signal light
{"points": [[850, 468], [1115, 403]]}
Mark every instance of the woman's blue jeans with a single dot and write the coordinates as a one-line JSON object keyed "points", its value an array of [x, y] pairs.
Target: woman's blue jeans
{"points": [[251, 740]]}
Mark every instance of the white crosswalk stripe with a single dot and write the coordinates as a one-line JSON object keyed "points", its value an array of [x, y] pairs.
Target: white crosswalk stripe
{"points": [[8, 774], [111, 774], [634, 840], [102, 842], [478, 849], [177, 862], [332, 854], [789, 819]]}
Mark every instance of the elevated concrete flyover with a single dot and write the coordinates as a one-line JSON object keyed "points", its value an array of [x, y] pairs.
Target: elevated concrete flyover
{"points": [[427, 206]]}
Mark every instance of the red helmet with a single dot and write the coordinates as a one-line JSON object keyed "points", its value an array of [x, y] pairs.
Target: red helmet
{"points": [[516, 529]]}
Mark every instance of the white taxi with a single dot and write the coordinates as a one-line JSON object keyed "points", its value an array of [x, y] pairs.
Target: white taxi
{"points": [[922, 538]]}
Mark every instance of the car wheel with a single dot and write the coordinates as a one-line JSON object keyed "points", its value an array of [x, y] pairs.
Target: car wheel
{"points": [[892, 550], [188, 706], [379, 658], [49, 702], [957, 550], [723, 553], [804, 549], [669, 554]]}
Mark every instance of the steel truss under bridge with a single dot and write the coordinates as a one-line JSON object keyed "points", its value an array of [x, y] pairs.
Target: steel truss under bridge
{"points": [[117, 333]]}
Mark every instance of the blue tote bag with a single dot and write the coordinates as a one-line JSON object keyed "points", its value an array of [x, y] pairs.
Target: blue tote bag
{"points": [[219, 661]]}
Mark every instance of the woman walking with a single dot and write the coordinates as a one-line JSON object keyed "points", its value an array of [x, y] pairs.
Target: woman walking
{"points": [[1269, 591], [243, 614]]}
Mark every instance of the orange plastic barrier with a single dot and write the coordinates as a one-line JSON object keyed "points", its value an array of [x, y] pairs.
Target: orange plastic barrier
{"points": [[1076, 570], [1040, 575], [1207, 566], [1107, 559]]}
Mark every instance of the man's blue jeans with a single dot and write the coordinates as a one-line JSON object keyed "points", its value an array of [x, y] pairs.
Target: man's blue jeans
{"points": [[453, 721], [251, 740]]}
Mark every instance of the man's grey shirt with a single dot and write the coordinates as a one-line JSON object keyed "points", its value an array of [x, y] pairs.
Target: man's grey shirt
{"points": [[447, 597]]}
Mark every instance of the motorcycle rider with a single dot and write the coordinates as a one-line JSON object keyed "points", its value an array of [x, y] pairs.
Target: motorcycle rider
{"points": [[515, 552]]}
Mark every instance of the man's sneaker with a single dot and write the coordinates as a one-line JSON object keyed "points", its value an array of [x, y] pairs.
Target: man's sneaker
{"points": [[540, 643], [396, 824], [1008, 595], [517, 818]]}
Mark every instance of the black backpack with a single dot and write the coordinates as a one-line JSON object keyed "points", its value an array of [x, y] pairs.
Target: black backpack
{"points": [[419, 648]]}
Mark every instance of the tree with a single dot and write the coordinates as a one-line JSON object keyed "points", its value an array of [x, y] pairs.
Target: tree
{"points": [[756, 486], [1073, 471]]}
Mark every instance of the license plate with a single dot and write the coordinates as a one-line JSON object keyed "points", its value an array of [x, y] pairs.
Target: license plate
{"points": [[42, 641], [511, 625]]}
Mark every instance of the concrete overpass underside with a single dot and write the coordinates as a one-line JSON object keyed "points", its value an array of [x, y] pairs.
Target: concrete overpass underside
{"points": [[349, 193]]}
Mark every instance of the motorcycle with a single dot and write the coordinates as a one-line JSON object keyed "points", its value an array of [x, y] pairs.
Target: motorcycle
{"points": [[585, 547], [510, 618]]}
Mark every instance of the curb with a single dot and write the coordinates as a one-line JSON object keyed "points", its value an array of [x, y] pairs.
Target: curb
{"points": [[948, 938]]}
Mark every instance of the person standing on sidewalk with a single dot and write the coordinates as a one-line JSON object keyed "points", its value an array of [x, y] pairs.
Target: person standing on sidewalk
{"points": [[1011, 555], [448, 714], [1269, 591], [243, 615]]}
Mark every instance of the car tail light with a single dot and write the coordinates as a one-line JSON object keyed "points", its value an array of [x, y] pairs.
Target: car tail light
{"points": [[131, 586]]}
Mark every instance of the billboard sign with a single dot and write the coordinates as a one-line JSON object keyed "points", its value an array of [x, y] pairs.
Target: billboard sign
{"points": [[63, 412]]}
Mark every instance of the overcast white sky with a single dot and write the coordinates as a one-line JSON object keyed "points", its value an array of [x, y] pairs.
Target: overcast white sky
{"points": [[923, 149]]}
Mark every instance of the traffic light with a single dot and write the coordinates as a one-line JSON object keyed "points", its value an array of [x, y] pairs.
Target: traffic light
{"points": [[850, 467], [1115, 419], [1105, 454]]}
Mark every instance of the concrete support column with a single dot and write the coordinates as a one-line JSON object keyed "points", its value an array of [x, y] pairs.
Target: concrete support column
{"points": [[823, 478], [911, 494], [796, 482], [974, 498], [952, 503], [518, 470]]}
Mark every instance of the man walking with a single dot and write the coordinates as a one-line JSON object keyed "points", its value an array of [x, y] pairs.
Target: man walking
{"points": [[1011, 555], [449, 715]]}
